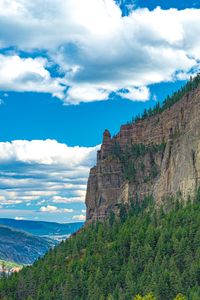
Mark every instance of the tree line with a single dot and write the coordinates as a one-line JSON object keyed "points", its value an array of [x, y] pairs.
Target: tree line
{"points": [[141, 252]]}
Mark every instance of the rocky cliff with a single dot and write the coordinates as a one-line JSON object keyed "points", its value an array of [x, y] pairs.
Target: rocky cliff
{"points": [[159, 156]]}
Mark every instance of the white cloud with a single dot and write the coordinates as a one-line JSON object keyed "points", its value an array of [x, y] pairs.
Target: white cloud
{"points": [[76, 94], [136, 94], [54, 209], [19, 218], [27, 75], [45, 25], [96, 49], [39, 203], [59, 199], [47, 152], [42, 173], [79, 217], [10, 202]]}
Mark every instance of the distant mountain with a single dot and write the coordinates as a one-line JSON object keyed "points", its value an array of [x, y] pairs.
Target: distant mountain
{"points": [[51, 229], [23, 241], [21, 247]]}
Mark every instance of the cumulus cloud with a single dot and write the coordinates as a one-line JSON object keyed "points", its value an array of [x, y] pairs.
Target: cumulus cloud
{"points": [[54, 209], [98, 51], [47, 152], [89, 93], [79, 217], [136, 94], [28, 75]]}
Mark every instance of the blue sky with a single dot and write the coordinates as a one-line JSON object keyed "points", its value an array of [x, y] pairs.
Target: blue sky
{"points": [[70, 69], [152, 4]]}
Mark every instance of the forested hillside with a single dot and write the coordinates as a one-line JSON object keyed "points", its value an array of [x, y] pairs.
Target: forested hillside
{"points": [[139, 253], [191, 85]]}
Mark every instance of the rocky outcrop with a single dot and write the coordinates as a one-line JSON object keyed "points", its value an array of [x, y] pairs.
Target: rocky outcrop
{"points": [[168, 162]]}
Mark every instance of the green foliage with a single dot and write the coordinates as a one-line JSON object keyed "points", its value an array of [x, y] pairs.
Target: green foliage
{"points": [[123, 212], [180, 297], [197, 197], [135, 151], [191, 85], [130, 171], [154, 171], [119, 259], [130, 156], [117, 151], [10, 264], [149, 296], [138, 297], [111, 218]]}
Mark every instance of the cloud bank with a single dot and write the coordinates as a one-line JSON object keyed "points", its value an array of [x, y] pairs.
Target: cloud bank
{"points": [[44, 176], [95, 50]]}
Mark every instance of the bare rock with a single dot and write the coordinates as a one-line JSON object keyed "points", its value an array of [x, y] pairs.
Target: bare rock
{"points": [[176, 167]]}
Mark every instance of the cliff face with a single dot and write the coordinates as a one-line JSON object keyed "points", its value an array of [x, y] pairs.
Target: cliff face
{"points": [[159, 155]]}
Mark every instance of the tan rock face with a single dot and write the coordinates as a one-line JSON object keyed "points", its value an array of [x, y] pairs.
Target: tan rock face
{"points": [[177, 166]]}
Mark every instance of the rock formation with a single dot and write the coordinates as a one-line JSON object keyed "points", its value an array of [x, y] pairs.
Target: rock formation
{"points": [[157, 156]]}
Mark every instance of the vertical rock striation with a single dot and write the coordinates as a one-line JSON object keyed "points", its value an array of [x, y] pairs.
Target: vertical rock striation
{"points": [[157, 156]]}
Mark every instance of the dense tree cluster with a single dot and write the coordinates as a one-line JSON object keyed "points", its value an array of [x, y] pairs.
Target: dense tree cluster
{"points": [[144, 252], [191, 85]]}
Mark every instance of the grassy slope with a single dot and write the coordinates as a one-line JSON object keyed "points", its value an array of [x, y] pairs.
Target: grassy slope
{"points": [[10, 264]]}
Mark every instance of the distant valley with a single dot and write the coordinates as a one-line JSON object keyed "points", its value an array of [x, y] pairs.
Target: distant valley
{"points": [[53, 230], [23, 242]]}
